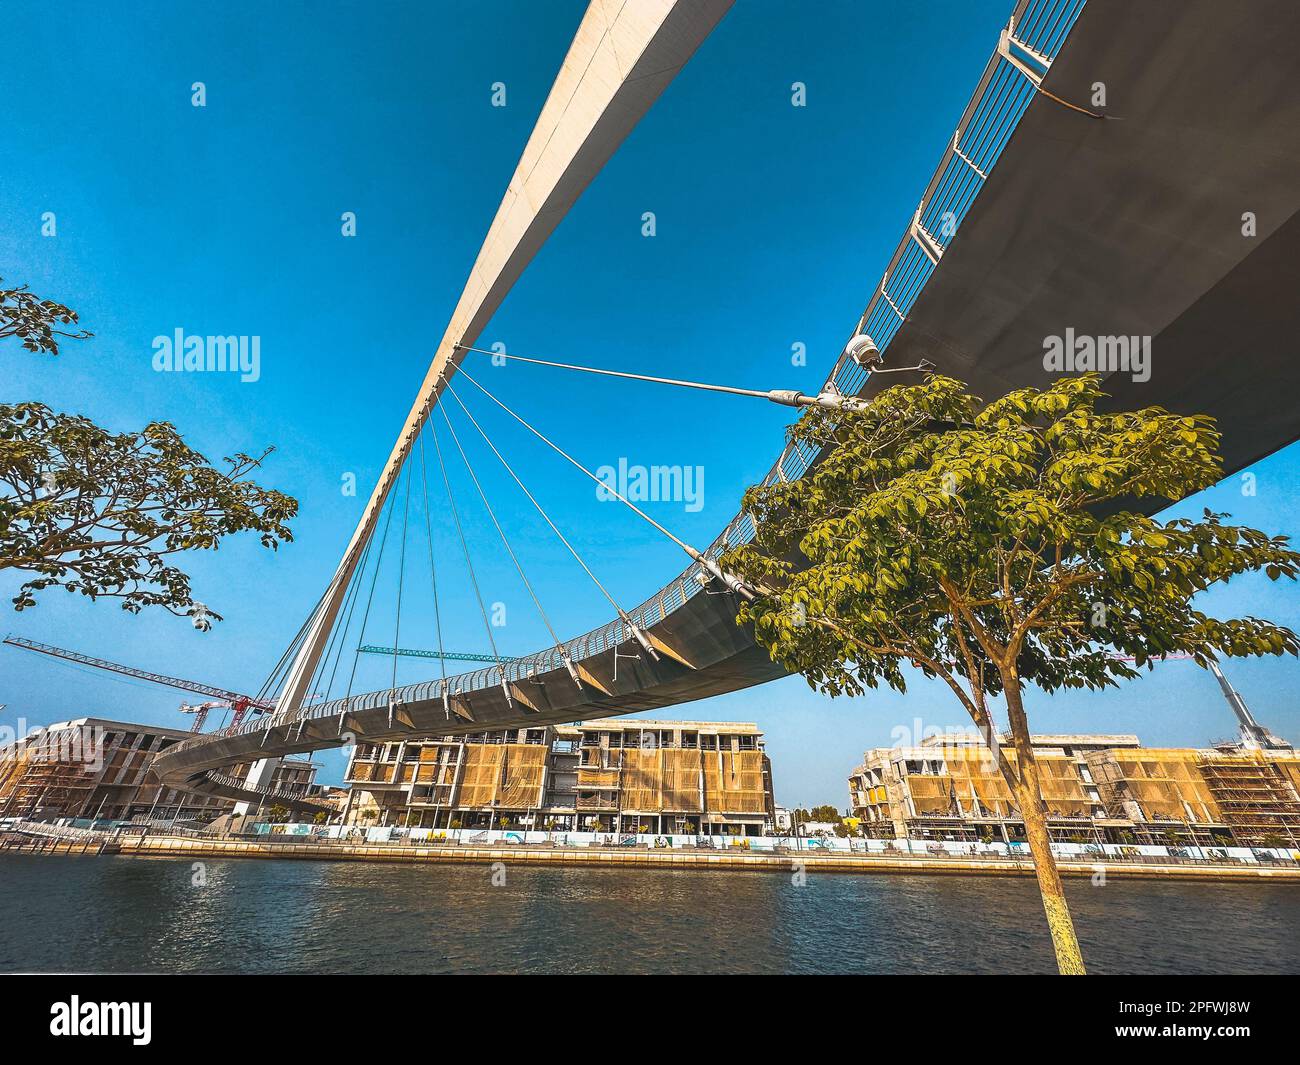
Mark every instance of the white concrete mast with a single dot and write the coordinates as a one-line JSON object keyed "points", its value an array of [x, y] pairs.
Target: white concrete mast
{"points": [[622, 57]]}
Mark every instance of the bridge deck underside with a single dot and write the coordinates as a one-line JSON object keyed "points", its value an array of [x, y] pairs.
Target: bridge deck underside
{"points": [[1122, 227], [1133, 226], [723, 658]]}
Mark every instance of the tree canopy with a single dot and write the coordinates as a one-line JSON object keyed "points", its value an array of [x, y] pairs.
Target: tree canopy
{"points": [[104, 513], [36, 322], [994, 545], [984, 542]]}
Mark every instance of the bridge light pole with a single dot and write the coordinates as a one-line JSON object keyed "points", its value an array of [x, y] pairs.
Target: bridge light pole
{"points": [[863, 350]]}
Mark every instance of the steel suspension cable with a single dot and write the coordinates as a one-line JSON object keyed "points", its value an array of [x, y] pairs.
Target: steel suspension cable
{"points": [[433, 570], [464, 544], [829, 400], [554, 528], [374, 578], [339, 638], [273, 681], [342, 633], [401, 575], [733, 583], [761, 394], [578, 465], [505, 542], [333, 648]]}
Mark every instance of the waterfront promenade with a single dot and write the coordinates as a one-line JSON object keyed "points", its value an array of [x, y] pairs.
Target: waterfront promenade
{"points": [[787, 860]]}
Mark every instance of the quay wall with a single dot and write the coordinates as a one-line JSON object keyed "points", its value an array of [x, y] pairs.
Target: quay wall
{"points": [[737, 859]]}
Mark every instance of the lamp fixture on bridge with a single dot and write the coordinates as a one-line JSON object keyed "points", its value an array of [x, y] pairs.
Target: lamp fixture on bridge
{"points": [[866, 353]]}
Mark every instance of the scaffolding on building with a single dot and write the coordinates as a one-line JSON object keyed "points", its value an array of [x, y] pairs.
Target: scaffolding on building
{"points": [[32, 781], [1254, 798]]}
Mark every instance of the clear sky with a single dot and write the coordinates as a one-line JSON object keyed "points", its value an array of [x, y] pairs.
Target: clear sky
{"points": [[773, 224]]}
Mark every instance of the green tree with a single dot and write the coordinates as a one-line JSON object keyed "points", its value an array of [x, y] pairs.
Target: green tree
{"points": [[36, 322], [103, 513], [992, 546]]}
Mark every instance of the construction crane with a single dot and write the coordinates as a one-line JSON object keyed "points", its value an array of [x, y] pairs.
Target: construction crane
{"points": [[201, 710], [1254, 736], [446, 656], [239, 704]]}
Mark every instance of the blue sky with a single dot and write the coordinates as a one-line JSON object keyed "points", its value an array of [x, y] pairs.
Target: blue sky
{"points": [[773, 225]]}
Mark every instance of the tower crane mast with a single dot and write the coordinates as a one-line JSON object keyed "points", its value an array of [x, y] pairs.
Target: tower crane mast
{"points": [[1254, 736]]}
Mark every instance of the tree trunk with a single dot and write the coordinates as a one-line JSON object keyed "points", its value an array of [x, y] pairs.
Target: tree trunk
{"points": [[1029, 797]]}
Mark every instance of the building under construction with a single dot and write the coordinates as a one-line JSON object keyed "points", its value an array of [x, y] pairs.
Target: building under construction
{"points": [[1096, 789], [100, 769], [608, 776]]}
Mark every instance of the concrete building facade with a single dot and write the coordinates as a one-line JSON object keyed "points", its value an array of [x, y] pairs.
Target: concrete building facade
{"points": [[100, 769], [1098, 788], [665, 777]]}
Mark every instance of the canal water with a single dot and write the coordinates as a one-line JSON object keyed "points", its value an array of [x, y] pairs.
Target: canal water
{"points": [[114, 914]]}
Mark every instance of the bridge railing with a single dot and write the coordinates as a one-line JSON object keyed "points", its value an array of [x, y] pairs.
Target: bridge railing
{"points": [[1035, 34]]}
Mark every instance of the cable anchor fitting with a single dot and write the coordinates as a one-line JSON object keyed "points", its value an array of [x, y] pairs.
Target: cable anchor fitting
{"points": [[828, 400], [729, 580], [639, 635]]}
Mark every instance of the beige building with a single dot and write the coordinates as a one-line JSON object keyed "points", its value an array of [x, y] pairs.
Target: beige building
{"points": [[1097, 788], [96, 768], [621, 776]]}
